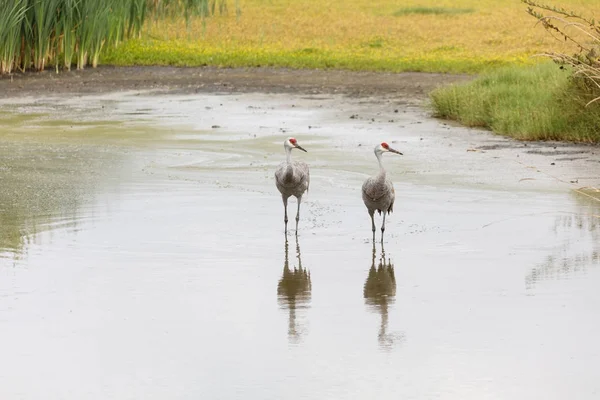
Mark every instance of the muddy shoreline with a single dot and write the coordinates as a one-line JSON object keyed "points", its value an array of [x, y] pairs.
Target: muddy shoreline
{"points": [[408, 86]]}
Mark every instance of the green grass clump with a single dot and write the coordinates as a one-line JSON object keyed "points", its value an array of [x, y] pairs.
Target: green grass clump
{"points": [[432, 11], [541, 102]]}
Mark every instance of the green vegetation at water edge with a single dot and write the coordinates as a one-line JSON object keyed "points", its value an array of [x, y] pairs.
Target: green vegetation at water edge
{"points": [[542, 102], [38, 33]]}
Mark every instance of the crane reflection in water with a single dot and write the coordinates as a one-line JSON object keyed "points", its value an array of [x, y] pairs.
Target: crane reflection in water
{"points": [[293, 292], [379, 293]]}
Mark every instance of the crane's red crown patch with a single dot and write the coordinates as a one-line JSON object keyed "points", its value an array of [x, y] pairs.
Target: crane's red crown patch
{"points": [[385, 145], [292, 141]]}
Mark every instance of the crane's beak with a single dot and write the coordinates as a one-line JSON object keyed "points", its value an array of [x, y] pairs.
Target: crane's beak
{"points": [[301, 148], [395, 151]]}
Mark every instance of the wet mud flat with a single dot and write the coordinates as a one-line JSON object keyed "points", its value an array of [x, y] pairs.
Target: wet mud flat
{"points": [[143, 253], [106, 79]]}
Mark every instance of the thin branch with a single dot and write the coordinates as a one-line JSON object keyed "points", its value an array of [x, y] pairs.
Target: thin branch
{"points": [[592, 101], [561, 26]]}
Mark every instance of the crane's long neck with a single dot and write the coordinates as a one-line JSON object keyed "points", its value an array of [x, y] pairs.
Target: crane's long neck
{"points": [[289, 169], [381, 169]]}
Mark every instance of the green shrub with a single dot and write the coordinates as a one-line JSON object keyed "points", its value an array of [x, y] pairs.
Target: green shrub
{"points": [[541, 102]]}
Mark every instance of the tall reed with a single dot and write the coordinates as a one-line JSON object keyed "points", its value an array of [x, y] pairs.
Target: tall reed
{"points": [[38, 33], [67, 25], [10, 32]]}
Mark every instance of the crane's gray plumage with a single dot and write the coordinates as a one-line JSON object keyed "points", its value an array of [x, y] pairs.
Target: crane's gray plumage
{"points": [[292, 178], [378, 191]]}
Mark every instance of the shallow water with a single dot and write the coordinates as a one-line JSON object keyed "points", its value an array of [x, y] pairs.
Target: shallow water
{"points": [[142, 255]]}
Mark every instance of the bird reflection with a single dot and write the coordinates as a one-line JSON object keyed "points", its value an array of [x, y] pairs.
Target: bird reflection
{"points": [[293, 291], [379, 293]]}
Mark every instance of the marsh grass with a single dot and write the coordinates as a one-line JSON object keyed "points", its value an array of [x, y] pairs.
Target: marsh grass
{"points": [[465, 36], [10, 31], [432, 11], [528, 103], [38, 33]]}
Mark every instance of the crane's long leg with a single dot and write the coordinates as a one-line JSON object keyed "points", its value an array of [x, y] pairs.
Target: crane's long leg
{"points": [[383, 227], [371, 212], [298, 213], [285, 218]]}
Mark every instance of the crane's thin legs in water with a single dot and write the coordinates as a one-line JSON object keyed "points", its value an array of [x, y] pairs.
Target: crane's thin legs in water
{"points": [[372, 224], [285, 218], [382, 228], [298, 213]]}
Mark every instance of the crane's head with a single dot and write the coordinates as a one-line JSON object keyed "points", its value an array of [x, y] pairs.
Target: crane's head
{"points": [[291, 143], [384, 148]]}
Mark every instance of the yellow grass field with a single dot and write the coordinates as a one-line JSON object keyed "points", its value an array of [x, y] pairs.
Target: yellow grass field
{"points": [[435, 36]]}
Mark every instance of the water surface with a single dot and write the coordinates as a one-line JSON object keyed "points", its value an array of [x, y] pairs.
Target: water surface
{"points": [[142, 255]]}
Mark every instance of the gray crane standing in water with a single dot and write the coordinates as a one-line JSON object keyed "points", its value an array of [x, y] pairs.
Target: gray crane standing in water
{"points": [[292, 178], [378, 191]]}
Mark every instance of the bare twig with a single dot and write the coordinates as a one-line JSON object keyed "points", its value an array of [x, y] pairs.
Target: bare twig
{"points": [[564, 24]]}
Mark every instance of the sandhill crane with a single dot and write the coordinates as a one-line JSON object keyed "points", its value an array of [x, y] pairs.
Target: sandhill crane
{"points": [[292, 178], [378, 191]]}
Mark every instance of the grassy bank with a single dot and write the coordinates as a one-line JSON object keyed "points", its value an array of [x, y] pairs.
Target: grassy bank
{"points": [[186, 54], [527, 103], [462, 36]]}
